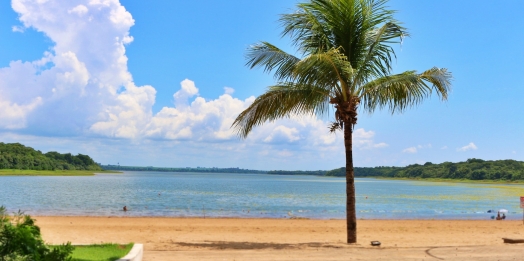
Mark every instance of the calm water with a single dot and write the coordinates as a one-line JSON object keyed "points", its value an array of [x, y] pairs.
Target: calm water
{"points": [[251, 195]]}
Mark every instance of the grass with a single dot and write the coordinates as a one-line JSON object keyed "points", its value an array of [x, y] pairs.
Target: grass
{"points": [[28, 172], [103, 252]]}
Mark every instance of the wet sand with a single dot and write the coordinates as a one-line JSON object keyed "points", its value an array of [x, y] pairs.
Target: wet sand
{"points": [[289, 239]]}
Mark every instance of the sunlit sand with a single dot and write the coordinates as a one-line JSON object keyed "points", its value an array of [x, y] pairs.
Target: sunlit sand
{"points": [[287, 239]]}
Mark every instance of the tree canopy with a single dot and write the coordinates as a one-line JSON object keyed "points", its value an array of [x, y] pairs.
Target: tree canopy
{"points": [[472, 169], [18, 156]]}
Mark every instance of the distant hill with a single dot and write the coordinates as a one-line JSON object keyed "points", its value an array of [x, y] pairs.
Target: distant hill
{"points": [[18, 156], [472, 169]]}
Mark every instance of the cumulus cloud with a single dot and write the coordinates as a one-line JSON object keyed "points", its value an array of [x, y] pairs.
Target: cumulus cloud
{"points": [[411, 150], [470, 146], [82, 87]]}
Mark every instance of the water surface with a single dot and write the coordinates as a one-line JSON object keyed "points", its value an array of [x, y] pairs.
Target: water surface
{"points": [[252, 195]]}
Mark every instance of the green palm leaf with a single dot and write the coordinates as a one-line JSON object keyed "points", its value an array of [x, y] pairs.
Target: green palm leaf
{"points": [[283, 100]]}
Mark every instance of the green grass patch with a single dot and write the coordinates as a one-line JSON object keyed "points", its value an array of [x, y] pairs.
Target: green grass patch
{"points": [[28, 172], [102, 252]]}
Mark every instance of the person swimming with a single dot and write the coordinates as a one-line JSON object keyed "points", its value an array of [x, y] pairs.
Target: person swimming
{"points": [[125, 208]]}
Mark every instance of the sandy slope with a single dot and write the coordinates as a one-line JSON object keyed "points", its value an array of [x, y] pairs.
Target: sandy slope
{"points": [[281, 239]]}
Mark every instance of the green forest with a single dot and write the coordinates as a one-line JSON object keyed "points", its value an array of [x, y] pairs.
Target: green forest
{"points": [[472, 169], [18, 156]]}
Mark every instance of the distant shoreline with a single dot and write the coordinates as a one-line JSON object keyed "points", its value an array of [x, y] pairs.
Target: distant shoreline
{"points": [[484, 181], [320, 173], [23, 172]]}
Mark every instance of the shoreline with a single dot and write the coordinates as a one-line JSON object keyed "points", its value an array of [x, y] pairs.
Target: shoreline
{"points": [[67, 173], [53, 173], [274, 218], [467, 181]]}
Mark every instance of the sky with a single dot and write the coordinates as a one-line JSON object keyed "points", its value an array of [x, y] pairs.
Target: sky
{"points": [[158, 83]]}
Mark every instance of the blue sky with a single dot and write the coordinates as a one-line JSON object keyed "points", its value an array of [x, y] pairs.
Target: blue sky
{"points": [[159, 83]]}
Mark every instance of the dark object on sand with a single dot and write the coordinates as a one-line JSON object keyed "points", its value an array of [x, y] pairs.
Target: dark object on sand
{"points": [[513, 241], [375, 243], [125, 208]]}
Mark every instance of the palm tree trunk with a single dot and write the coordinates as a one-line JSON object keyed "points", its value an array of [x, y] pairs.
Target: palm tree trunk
{"points": [[351, 217]]}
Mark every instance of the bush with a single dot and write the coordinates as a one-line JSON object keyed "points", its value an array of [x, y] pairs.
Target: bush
{"points": [[20, 240]]}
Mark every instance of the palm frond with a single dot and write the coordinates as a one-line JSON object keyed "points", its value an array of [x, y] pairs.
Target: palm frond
{"points": [[408, 89], [328, 70], [282, 100], [271, 57], [377, 61]]}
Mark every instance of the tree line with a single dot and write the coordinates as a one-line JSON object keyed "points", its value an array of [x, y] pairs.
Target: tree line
{"points": [[472, 169], [199, 169], [18, 156]]}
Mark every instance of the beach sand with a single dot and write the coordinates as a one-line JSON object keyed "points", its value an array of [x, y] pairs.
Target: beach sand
{"points": [[292, 239]]}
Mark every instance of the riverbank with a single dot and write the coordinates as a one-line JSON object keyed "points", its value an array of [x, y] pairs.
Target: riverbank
{"points": [[26, 172], [288, 239], [482, 181]]}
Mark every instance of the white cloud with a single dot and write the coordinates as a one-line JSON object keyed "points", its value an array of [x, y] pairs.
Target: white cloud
{"points": [[229, 90], [427, 146], [82, 87], [283, 134], [363, 139], [444, 148], [12, 116], [79, 10], [18, 29], [411, 150], [74, 88], [470, 146], [187, 91], [415, 149]]}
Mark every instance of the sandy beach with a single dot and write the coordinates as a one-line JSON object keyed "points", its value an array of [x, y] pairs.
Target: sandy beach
{"points": [[288, 239]]}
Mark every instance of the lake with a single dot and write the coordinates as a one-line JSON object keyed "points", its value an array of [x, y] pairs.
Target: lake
{"points": [[252, 195]]}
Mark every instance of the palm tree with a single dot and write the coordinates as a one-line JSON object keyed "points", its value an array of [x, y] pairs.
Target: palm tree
{"points": [[345, 63]]}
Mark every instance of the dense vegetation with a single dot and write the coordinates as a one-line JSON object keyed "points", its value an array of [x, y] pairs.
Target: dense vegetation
{"points": [[18, 156], [20, 240], [472, 169]]}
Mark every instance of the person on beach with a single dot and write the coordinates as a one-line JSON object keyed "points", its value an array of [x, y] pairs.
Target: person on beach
{"points": [[503, 216], [125, 208], [498, 216]]}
